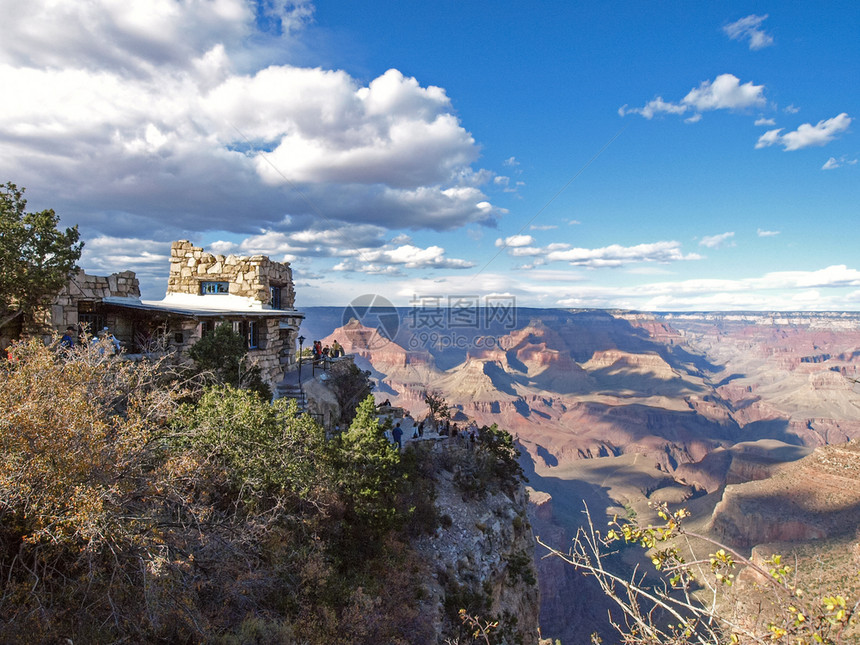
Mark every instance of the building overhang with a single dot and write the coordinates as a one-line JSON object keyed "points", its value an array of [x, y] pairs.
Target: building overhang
{"points": [[207, 307]]}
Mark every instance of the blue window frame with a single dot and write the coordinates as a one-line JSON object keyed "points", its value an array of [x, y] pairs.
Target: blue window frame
{"points": [[214, 288], [249, 331], [275, 301]]}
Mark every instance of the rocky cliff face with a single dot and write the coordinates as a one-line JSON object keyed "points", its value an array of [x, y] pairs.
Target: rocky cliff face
{"points": [[816, 497], [743, 462], [480, 559]]}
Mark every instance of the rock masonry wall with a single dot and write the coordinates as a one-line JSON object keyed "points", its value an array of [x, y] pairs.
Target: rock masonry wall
{"points": [[63, 311], [249, 277]]}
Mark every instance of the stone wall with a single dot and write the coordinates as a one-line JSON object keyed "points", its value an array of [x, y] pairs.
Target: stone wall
{"points": [[249, 277], [63, 311]]}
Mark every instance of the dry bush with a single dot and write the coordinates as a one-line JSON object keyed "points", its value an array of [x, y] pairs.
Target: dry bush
{"points": [[132, 508], [694, 599]]}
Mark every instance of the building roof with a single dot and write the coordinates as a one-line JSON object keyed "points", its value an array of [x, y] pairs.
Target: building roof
{"points": [[209, 306]]}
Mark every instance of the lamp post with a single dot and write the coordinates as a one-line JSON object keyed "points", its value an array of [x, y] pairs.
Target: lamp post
{"points": [[301, 340]]}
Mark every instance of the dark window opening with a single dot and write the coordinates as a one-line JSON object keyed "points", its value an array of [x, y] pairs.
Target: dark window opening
{"points": [[206, 328], [249, 331], [89, 319], [214, 288], [275, 301]]}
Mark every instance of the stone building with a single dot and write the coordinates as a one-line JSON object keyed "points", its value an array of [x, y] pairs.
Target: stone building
{"points": [[254, 294]]}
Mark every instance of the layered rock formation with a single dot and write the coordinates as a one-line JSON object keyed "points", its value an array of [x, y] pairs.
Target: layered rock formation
{"points": [[814, 498], [709, 400]]}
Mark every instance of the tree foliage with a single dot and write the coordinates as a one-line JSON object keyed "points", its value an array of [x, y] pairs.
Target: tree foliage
{"points": [[494, 462], [438, 407], [351, 386], [369, 477], [36, 258], [222, 355]]}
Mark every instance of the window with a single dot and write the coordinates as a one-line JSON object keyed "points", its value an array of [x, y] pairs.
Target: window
{"points": [[249, 331], [206, 328], [90, 320], [214, 288], [275, 302]]}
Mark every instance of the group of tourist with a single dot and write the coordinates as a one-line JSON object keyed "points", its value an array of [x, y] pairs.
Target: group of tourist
{"points": [[74, 337], [442, 428], [319, 352]]}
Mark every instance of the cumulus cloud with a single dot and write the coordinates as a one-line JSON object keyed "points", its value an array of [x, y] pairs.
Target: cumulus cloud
{"points": [[391, 259], [359, 248], [716, 241], [725, 92], [149, 259], [653, 108], [749, 28], [764, 121], [515, 241], [613, 255], [165, 118], [505, 183], [806, 135], [763, 233]]}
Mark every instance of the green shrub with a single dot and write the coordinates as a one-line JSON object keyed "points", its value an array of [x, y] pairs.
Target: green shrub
{"points": [[222, 354]]}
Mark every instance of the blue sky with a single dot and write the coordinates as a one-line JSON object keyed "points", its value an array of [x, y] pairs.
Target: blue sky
{"points": [[659, 156]]}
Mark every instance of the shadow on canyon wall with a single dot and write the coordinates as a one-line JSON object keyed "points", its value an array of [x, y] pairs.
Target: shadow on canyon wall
{"points": [[572, 605]]}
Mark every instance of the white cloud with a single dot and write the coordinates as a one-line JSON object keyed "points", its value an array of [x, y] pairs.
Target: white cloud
{"points": [[515, 241], [613, 255], [505, 183], [716, 241], [654, 107], [511, 162], [362, 248], [763, 233], [725, 92], [764, 121], [778, 291], [833, 162], [769, 138], [749, 28], [149, 259], [161, 117], [391, 259], [791, 109], [807, 135], [542, 227]]}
